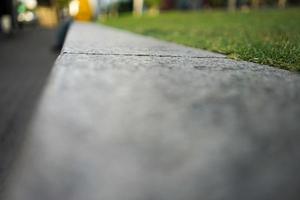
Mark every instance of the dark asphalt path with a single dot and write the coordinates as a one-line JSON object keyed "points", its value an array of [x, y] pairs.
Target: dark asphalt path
{"points": [[25, 63]]}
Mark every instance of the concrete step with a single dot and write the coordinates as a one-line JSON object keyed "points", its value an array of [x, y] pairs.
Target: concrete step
{"points": [[127, 117]]}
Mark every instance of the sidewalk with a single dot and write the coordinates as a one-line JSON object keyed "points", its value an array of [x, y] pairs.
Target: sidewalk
{"points": [[126, 117]]}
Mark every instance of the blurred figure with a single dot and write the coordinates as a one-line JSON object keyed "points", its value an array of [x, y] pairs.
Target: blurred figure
{"points": [[7, 16], [80, 10], [84, 12]]}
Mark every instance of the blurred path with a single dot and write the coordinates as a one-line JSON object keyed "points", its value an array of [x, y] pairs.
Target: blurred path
{"points": [[25, 62], [128, 117]]}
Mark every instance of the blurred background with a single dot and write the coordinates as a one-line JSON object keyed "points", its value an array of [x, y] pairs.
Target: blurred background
{"points": [[16, 14]]}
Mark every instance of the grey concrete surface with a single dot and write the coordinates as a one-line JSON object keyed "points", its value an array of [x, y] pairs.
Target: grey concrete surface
{"points": [[25, 62], [121, 119], [112, 42]]}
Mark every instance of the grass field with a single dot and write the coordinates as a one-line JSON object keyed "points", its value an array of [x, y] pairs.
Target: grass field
{"points": [[267, 36]]}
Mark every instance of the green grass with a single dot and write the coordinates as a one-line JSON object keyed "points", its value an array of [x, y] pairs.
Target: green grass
{"points": [[267, 36]]}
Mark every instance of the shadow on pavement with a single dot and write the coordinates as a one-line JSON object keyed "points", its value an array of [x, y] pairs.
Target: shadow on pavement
{"points": [[25, 62]]}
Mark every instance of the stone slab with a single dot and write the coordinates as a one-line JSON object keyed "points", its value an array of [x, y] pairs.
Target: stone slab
{"points": [[130, 127]]}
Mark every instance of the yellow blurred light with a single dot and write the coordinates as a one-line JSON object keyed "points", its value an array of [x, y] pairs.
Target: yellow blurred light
{"points": [[74, 7], [31, 4], [21, 17], [6, 23], [29, 16], [26, 17]]}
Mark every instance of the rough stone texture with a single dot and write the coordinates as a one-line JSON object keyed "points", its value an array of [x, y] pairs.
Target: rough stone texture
{"points": [[122, 126], [105, 40]]}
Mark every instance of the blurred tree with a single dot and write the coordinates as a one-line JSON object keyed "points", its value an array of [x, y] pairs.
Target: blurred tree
{"points": [[231, 5], [282, 3], [152, 3], [62, 3], [255, 4], [138, 7]]}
